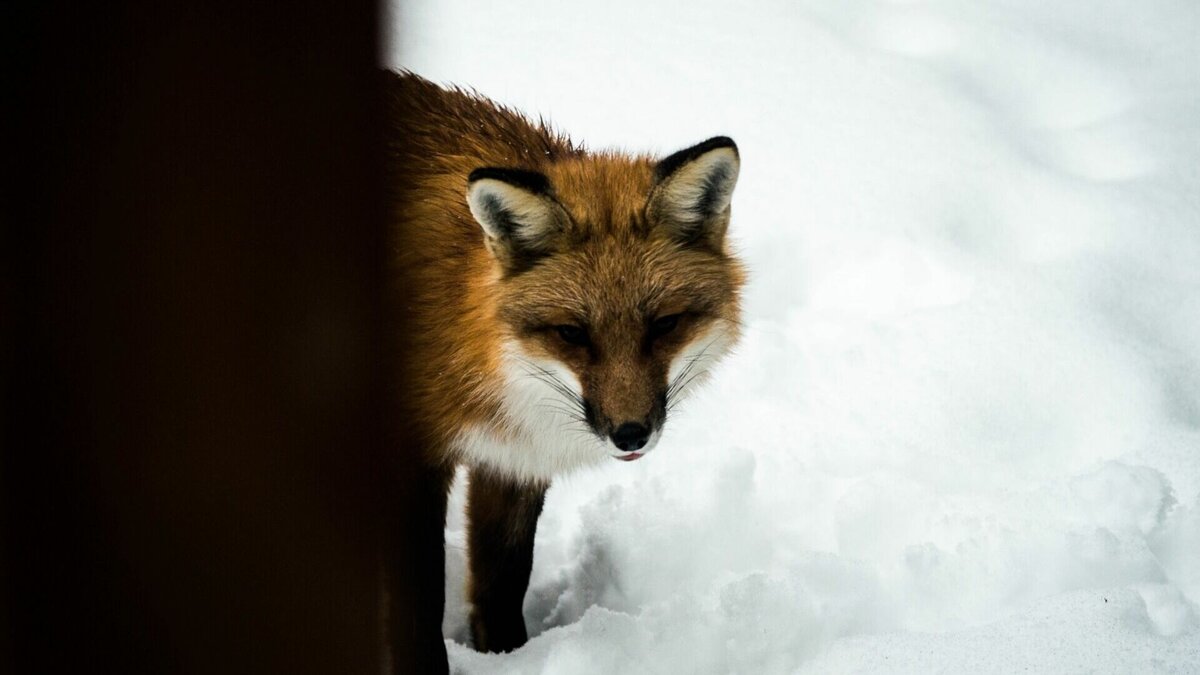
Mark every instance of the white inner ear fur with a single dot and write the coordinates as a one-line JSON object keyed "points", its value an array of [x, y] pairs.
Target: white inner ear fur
{"points": [[700, 189], [511, 214]]}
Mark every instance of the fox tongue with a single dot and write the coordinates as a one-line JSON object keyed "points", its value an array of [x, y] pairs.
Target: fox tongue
{"points": [[630, 457]]}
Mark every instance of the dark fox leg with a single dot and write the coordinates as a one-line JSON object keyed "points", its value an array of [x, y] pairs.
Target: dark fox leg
{"points": [[415, 571], [501, 521]]}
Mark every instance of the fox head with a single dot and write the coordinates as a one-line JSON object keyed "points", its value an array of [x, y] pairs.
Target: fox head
{"points": [[614, 286]]}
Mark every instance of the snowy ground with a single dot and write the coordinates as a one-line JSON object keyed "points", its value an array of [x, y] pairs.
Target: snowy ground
{"points": [[963, 431]]}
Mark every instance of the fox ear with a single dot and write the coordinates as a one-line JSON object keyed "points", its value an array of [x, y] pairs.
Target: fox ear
{"points": [[520, 218], [693, 189]]}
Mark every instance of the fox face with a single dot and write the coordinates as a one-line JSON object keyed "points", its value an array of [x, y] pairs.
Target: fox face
{"points": [[615, 293]]}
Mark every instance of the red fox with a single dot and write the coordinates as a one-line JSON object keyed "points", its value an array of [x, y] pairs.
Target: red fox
{"points": [[559, 303]]}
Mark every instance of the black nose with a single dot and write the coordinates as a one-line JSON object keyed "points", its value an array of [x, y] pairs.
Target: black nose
{"points": [[631, 436]]}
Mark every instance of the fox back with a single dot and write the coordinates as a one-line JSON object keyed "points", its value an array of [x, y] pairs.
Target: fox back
{"points": [[560, 301]]}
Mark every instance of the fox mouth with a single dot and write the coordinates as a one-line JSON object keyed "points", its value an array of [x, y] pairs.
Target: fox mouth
{"points": [[630, 457]]}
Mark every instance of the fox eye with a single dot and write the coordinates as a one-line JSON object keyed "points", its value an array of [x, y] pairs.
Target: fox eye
{"points": [[663, 325], [575, 335]]}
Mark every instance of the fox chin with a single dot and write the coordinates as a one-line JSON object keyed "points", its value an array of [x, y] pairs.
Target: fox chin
{"points": [[558, 303]]}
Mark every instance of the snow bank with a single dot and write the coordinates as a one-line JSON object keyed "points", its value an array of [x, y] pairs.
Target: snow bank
{"points": [[963, 430]]}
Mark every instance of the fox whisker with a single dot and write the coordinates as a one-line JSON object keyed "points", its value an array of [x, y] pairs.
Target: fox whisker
{"points": [[569, 404], [679, 383], [552, 380], [557, 406], [691, 364], [671, 404]]}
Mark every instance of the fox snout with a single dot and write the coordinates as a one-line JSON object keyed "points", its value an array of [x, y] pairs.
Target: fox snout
{"points": [[630, 427]]}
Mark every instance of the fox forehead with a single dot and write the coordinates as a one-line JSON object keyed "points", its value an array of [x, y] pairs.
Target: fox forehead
{"points": [[618, 279], [604, 194]]}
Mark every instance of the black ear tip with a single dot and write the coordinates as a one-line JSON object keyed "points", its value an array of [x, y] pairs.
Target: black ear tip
{"points": [[719, 142], [532, 181], [479, 174], [669, 164]]}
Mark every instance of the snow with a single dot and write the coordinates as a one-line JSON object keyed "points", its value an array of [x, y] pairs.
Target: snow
{"points": [[962, 433]]}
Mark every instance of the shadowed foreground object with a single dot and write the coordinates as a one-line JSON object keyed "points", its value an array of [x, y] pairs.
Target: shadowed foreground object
{"points": [[191, 318]]}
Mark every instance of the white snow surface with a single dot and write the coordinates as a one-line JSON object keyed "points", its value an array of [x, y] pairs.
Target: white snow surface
{"points": [[962, 432]]}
